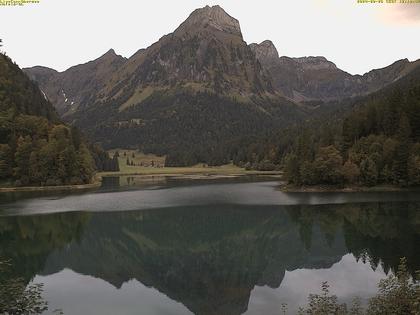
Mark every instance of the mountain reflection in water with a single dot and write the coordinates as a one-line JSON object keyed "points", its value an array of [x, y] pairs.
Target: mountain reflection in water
{"points": [[207, 259]]}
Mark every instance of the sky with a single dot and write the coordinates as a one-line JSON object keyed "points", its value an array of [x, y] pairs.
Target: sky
{"points": [[356, 37]]}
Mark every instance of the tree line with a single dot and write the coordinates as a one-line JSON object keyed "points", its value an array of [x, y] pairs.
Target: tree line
{"points": [[36, 148], [397, 294], [378, 142]]}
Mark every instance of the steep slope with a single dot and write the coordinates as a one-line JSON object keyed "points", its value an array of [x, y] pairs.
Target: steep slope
{"points": [[194, 92], [316, 78], [18, 94], [201, 94], [78, 86], [205, 53], [375, 141], [35, 147]]}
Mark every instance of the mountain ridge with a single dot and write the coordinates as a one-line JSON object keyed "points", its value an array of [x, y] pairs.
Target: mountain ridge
{"points": [[154, 100], [315, 78]]}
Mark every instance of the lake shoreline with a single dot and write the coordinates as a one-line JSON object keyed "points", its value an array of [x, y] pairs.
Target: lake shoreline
{"points": [[220, 172], [214, 174], [228, 170], [97, 181], [350, 189]]}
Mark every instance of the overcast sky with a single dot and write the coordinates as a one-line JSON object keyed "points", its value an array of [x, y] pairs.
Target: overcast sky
{"points": [[357, 37]]}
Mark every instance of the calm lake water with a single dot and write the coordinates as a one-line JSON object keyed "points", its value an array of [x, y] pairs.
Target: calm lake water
{"points": [[228, 246]]}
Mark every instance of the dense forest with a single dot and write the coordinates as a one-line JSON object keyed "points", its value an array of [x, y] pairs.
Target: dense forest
{"points": [[368, 140], [187, 126], [376, 142], [36, 148]]}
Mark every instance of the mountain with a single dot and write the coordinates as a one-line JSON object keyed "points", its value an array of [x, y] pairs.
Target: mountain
{"points": [[316, 78], [192, 94], [350, 126], [376, 141], [19, 95], [201, 93], [80, 85], [206, 53]]}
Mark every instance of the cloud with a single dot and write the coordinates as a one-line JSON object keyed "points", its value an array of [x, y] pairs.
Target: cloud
{"points": [[408, 13]]}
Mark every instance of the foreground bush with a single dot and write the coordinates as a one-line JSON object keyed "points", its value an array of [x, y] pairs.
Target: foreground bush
{"points": [[397, 295], [16, 298]]}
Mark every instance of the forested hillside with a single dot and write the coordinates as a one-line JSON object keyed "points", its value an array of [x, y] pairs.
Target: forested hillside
{"points": [[377, 142], [186, 127], [35, 147], [193, 96], [201, 94]]}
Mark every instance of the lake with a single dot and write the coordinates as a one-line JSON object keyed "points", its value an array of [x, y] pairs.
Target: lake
{"points": [[222, 246]]}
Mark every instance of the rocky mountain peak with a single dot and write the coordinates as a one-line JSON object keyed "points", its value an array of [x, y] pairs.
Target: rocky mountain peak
{"points": [[211, 17], [110, 52], [109, 55], [315, 63], [265, 51]]}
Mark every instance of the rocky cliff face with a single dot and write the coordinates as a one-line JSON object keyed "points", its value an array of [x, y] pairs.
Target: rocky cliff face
{"points": [[200, 84], [78, 86], [205, 53], [266, 51], [214, 18], [315, 63], [316, 78]]}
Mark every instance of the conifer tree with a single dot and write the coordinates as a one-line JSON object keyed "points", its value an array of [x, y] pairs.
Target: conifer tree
{"points": [[400, 165]]}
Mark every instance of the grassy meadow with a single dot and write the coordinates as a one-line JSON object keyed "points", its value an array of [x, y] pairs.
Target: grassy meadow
{"points": [[149, 164]]}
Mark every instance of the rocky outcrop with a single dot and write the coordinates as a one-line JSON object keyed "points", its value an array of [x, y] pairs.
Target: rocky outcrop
{"points": [[315, 63], [200, 84], [79, 86], [316, 78], [266, 51], [210, 17], [205, 53]]}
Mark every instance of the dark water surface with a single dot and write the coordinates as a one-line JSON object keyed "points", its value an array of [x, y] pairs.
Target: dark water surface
{"points": [[205, 247]]}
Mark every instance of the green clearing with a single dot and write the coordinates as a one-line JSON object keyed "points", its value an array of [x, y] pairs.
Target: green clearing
{"points": [[149, 164]]}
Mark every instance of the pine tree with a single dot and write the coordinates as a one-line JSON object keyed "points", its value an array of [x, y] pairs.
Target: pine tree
{"points": [[86, 164], [292, 171], [5, 161], [368, 172], [347, 137], [115, 162], [22, 157], [414, 170], [400, 165]]}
